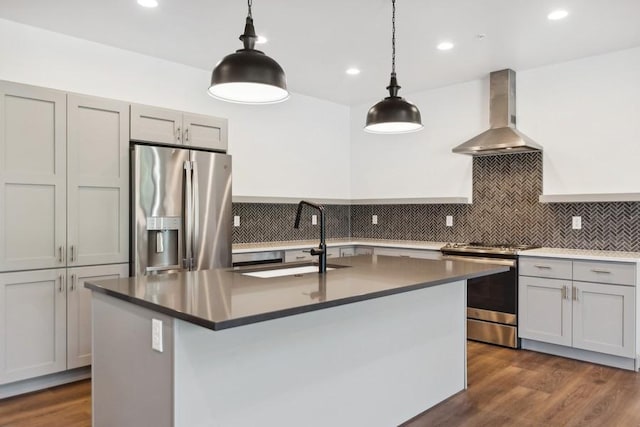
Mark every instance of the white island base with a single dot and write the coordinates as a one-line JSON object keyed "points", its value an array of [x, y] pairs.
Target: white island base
{"points": [[377, 362]]}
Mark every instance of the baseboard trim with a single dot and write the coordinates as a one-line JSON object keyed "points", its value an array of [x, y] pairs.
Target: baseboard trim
{"points": [[45, 381], [579, 354]]}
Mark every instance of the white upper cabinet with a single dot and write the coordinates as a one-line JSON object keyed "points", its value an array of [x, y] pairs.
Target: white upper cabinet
{"points": [[32, 177], [98, 181], [159, 125]]}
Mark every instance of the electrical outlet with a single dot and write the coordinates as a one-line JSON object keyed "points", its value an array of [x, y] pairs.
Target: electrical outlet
{"points": [[314, 219], [449, 220], [374, 219], [156, 335], [576, 222], [236, 220]]}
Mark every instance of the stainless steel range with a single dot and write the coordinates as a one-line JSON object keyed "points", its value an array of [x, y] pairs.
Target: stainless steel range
{"points": [[492, 301]]}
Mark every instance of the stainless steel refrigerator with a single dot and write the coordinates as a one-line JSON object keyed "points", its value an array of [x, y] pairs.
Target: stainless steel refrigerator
{"points": [[180, 209]]}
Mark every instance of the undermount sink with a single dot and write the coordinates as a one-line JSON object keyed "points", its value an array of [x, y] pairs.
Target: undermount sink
{"points": [[282, 271]]}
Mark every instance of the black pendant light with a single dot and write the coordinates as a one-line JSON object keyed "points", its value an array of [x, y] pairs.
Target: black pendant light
{"points": [[248, 76], [393, 114]]}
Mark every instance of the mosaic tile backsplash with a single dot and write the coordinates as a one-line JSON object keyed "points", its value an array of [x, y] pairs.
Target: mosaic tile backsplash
{"points": [[505, 209], [272, 222]]}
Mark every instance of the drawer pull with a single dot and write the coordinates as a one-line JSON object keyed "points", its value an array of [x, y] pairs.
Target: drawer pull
{"points": [[599, 270], [546, 267], [300, 257]]}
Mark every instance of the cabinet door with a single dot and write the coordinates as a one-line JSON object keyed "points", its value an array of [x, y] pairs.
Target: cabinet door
{"points": [[79, 309], [98, 181], [32, 324], [154, 124], [604, 318], [32, 177], [544, 310], [205, 132]]}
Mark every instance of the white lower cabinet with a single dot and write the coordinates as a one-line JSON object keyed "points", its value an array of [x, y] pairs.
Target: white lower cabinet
{"points": [[604, 318], [545, 312], [46, 321], [79, 309], [592, 316], [33, 324]]}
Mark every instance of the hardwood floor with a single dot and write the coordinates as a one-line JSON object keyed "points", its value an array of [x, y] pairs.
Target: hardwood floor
{"points": [[64, 406], [523, 388], [506, 388]]}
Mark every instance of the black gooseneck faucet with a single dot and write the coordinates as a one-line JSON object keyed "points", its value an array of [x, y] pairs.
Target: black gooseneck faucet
{"points": [[322, 249]]}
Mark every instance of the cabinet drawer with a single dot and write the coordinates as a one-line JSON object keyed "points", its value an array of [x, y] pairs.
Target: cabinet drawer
{"points": [[298, 255], [333, 253], [605, 272], [545, 267]]}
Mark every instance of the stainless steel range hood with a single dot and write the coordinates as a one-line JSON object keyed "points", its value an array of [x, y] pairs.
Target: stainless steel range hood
{"points": [[502, 137]]}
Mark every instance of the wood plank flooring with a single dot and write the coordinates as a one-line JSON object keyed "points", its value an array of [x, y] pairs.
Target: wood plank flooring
{"points": [[64, 406], [506, 388], [523, 388]]}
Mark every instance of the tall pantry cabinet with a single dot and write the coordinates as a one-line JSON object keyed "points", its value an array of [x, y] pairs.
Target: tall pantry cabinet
{"points": [[63, 218]]}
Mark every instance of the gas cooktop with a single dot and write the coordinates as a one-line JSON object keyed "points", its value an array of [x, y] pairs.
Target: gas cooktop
{"points": [[488, 248]]}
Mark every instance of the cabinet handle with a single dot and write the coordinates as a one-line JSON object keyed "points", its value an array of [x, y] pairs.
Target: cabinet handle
{"points": [[564, 291], [178, 134], [599, 270], [60, 254], [73, 282], [186, 135], [546, 267], [300, 257], [574, 293], [61, 278], [73, 253]]}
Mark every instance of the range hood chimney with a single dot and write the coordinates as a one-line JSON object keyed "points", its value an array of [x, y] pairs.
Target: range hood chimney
{"points": [[502, 137]]}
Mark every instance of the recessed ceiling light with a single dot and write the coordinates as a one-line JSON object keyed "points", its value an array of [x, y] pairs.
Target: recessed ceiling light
{"points": [[557, 15], [262, 40], [445, 46], [148, 3], [353, 71]]}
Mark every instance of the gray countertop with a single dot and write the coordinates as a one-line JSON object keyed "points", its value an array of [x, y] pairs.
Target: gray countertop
{"points": [[225, 298]]}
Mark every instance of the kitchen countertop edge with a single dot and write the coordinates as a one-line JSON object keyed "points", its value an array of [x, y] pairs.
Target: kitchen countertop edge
{"points": [[281, 313]]}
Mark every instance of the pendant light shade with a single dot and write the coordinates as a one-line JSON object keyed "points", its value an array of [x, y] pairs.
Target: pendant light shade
{"points": [[393, 114], [248, 76]]}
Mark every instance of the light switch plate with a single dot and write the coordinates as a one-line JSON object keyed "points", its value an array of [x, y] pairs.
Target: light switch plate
{"points": [[576, 222], [449, 220], [374, 219], [314, 219], [156, 335], [236, 220]]}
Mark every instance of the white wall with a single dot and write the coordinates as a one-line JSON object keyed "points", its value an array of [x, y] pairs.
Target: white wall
{"points": [[586, 114], [299, 148], [420, 164]]}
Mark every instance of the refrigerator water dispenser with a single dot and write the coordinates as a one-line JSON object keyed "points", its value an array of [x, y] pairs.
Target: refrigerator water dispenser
{"points": [[163, 237]]}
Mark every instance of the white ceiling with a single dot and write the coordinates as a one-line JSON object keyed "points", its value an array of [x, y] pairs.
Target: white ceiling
{"points": [[315, 41]]}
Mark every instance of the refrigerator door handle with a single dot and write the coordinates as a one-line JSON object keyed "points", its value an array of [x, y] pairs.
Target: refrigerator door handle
{"points": [[188, 191], [196, 215]]}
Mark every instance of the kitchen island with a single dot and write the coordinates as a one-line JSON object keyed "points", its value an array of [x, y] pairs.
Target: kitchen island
{"points": [[375, 341]]}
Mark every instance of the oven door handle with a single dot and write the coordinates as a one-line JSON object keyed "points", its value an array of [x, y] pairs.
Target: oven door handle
{"points": [[481, 260]]}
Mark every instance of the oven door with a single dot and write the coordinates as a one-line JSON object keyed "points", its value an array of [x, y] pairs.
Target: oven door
{"points": [[492, 303]]}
